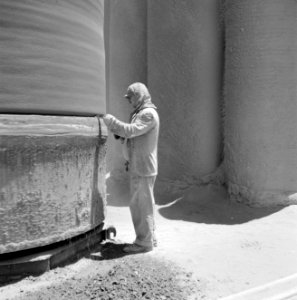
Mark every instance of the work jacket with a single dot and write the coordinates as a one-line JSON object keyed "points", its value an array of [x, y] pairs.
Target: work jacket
{"points": [[141, 138]]}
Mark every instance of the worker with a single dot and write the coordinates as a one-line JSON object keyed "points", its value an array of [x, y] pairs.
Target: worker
{"points": [[140, 141]]}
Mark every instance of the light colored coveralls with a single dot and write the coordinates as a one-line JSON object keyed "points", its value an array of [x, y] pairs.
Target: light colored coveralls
{"points": [[141, 140]]}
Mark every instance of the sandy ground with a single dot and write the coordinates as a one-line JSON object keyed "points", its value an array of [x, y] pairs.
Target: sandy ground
{"points": [[227, 247]]}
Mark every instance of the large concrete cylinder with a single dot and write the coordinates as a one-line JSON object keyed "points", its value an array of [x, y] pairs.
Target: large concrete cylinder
{"points": [[52, 167], [126, 62], [52, 57], [52, 179], [184, 77], [260, 100]]}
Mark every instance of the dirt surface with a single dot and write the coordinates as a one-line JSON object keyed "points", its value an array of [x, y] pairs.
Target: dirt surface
{"points": [[132, 277], [208, 248], [108, 274]]}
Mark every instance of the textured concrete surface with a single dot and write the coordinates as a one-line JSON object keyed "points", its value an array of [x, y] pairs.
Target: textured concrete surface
{"points": [[52, 174], [52, 57], [260, 101], [51, 168], [184, 77]]}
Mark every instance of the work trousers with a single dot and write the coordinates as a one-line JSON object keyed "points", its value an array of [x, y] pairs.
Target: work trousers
{"points": [[142, 207]]}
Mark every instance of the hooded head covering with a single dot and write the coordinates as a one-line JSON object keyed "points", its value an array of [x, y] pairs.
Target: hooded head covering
{"points": [[142, 94], [140, 91]]}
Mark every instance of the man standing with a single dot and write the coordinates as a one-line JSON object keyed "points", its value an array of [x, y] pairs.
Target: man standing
{"points": [[140, 139]]}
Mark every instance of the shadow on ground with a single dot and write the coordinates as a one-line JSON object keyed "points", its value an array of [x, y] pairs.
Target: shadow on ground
{"points": [[207, 204], [106, 250], [109, 250], [211, 205]]}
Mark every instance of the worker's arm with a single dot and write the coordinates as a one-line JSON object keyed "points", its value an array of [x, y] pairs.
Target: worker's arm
{"points": [[144, 122]]}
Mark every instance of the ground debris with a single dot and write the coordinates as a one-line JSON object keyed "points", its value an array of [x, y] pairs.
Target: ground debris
{"points": [[131, 277]]}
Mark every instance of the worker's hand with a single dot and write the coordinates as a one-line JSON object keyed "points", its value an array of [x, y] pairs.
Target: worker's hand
{"points": [[107, 119]]}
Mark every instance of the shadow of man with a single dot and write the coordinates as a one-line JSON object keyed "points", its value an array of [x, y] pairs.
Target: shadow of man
{"points": [[109, 250]]}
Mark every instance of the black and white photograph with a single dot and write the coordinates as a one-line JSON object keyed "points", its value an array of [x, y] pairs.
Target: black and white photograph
{"points": [[148, 149]]}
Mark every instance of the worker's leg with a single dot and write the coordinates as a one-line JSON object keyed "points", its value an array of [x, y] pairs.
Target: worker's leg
{"points": [[142, 207]]}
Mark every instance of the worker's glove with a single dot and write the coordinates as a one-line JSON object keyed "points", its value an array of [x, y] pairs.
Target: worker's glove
{"points": [[107, 119]]}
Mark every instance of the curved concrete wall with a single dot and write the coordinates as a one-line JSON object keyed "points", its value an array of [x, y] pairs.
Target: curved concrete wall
{"points": [[52, 168], [184, 77], [52, 57], [126, 62], [52, 179], [260, 100]]}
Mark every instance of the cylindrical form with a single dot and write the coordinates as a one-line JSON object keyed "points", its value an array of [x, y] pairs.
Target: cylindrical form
{"points": [[184, 77], [52, 179], [52, 57], [52, 168], [126, 62], [260, 100]]}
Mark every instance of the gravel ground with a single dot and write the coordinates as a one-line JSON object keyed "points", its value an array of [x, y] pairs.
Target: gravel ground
{"points": [[114, 276]]}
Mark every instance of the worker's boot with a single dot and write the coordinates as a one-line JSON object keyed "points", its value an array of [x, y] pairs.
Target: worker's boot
{"points": [[134, 248]]}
